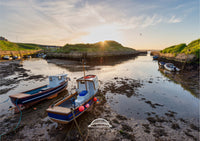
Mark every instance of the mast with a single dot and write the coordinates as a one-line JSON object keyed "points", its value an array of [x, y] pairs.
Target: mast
{"points": [[84, 74]]}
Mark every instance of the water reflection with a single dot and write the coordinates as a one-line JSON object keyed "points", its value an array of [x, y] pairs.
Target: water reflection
{"points": [[156, 87]]}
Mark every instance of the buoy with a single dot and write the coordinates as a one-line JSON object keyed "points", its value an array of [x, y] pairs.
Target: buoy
{"points": [[95, 99], [87, 105], [81, 108]]}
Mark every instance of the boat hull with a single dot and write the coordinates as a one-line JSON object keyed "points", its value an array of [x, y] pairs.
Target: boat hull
{"points": [[65, 118], [24, 100], [170, 68]]}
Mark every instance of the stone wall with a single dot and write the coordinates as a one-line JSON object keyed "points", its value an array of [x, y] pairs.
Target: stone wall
{"points": [[77, 55]]}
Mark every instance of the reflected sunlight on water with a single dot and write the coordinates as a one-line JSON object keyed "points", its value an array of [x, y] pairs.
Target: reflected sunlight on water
{"points": [[156, 87]]}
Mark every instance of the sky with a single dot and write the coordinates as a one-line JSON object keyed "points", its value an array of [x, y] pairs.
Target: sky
{"points": [[139, 24]]}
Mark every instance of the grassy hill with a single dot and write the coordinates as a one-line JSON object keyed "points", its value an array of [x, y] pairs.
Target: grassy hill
{"points": [[106, 46], [10, 46], [192, 48]]}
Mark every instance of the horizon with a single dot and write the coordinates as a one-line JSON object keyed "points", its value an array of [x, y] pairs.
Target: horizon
{"points": [[149, 25], [142, 49]]}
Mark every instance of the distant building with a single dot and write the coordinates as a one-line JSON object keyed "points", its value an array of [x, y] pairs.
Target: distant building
{"points": [[3, 39]]}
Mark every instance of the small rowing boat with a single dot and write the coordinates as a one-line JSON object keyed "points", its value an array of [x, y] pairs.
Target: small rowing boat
{"points": [[57, 84]]}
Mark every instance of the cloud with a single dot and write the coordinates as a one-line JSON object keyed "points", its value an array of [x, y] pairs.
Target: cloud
{"points": [[64, 21], [173, 19]]}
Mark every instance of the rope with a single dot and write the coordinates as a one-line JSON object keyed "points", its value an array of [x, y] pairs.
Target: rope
{"points": [[20, 116], [5, 101], [77, 124], [18, 121]]}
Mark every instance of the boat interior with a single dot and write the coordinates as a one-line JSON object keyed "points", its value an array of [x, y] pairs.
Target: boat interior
{"points": [[44, 88]]}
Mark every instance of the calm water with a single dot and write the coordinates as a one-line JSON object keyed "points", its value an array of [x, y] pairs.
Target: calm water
{"points": [[162, 91]]}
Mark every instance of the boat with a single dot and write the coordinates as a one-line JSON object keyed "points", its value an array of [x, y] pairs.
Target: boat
{"points": [[77, 103], [16, 57], [171, 67], [41, 55], [57, 84], [7, 58], [155, 57], [161, 64]]}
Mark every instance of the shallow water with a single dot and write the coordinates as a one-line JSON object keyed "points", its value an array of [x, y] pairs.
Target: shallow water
{"points": [[156, 87]]}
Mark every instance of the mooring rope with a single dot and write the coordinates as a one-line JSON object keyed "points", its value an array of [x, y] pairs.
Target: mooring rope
{"points": [[77, 124], [18, 121]]}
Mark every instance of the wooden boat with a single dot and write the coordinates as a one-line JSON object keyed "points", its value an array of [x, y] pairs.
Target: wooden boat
{"points": [[171, 67], [70, 107], [25, 99]]}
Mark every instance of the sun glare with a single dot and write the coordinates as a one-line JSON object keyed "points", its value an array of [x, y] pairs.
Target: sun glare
{"points": [[102, 33]]}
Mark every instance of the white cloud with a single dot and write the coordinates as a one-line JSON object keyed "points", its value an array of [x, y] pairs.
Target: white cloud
{"points": [[63, 21], [173, 19]]}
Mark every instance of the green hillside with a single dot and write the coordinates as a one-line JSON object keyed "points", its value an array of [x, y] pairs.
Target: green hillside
{"points": [[9, 46], [107, 46], [191, 48]]}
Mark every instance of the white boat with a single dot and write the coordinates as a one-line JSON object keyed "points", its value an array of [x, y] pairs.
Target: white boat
{"points": [[7, 58], [171, 67]]}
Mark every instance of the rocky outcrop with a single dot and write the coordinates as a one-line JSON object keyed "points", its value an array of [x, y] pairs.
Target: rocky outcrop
{"points": [[181, 57]]}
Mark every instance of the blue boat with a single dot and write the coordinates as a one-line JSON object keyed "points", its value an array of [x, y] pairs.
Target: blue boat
{"points": [[76, 104], [57, 84], [155, 57], [16, 57]]}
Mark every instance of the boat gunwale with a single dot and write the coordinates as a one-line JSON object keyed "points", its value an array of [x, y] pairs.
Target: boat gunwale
{"points": [[61, 101]]}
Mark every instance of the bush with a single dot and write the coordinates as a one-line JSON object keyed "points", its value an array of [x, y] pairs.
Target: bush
{"points": [[192, 48]]}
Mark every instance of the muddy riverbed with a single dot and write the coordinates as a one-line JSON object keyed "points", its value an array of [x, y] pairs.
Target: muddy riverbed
{"points": [[136, 98]]}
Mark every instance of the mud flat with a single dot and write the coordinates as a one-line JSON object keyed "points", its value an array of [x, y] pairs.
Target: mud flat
{"points": [[11, 73], [35, 124], [154, 119]]}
